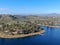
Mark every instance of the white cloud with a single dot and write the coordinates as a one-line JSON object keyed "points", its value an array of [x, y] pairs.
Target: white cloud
{"points": [[2, 9]]}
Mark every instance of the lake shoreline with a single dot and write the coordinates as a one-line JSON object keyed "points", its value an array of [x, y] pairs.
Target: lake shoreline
{"points": [[22, 35], [52, 26]]}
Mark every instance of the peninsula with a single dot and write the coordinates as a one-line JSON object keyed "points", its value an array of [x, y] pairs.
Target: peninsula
{"points": [[15, 26]]}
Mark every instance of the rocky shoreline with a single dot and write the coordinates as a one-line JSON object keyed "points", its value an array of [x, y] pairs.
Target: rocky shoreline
{"points": [[19, 36]]}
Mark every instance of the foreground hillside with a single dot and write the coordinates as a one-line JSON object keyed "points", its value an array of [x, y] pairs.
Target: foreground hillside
{"points": [[18, 25]]}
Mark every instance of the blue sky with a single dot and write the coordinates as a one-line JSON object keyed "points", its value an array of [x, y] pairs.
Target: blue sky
{"points": [[29, 6]]}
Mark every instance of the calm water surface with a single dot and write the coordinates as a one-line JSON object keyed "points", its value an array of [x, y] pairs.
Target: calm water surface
{"points": [[50, 37]]}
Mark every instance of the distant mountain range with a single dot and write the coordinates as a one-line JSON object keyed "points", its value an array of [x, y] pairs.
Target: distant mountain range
{"points": [[47, 14]]}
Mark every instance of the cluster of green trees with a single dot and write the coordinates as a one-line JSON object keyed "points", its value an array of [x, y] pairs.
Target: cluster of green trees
{"points": [[25, 27]]}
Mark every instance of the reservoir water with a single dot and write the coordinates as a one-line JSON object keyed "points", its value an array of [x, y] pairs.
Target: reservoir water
{"points": [[50, 37]]}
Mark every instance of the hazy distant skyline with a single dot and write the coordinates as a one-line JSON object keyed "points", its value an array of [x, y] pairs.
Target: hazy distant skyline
{"points": [[29, 6]]}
